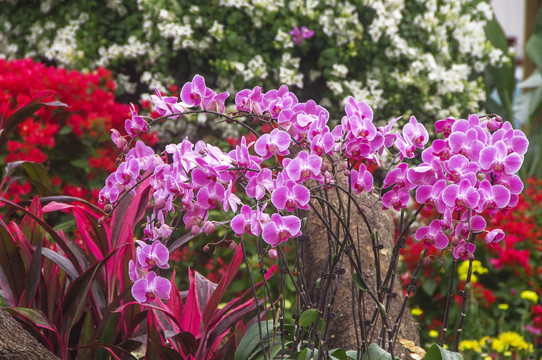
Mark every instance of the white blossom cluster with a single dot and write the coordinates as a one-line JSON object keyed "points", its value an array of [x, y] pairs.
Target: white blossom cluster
{"points": [[440, 58]]}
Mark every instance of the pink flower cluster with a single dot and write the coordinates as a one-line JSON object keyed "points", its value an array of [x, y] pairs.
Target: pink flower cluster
{"points": [[299, 36], [471, 170]]}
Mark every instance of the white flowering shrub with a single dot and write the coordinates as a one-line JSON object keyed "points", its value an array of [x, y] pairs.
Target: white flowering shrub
{"points": [[425, 57]]}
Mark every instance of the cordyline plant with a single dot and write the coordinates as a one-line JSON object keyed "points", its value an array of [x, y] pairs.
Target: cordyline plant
{"points": [[265, 188], [72, 291]]}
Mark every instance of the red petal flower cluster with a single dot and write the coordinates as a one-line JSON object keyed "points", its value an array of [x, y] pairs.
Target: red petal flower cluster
{"points": [[63, 139]]}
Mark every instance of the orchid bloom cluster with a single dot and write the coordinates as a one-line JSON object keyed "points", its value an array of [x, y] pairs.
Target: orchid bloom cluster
{"points": [[473, 169], [469, 171]]}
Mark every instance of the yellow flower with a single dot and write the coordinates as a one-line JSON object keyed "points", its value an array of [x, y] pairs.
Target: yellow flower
{"points": [[477, 268], [529, 295], [470, 345], [433, 333], [503, 306], [416, 311], [497, 345], [509, 341]]}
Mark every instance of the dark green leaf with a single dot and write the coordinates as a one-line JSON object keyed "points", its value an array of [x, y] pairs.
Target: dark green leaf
{"points": [[375, 352], [61, 261], [338, 354], [436, 352], [33, 276], [250, 343], [38, 174], [303, 355], [308, 317], [12, 269], [76, 297], [34, 316]]}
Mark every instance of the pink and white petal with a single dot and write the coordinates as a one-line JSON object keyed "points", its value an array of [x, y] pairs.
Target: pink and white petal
{"points": [[487, 157], [441, 240], [477, 224], [512, 163], [162, 287], [501, 195]]}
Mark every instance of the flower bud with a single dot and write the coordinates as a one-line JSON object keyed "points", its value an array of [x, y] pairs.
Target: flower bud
{"points": [[195, 230], [121, 143], [273, 254], [454, 240], [324, 167], [101, 221], [233, 246], [427, 261], [495, 123], [206, 249], [208, 227], [108, 208], [125, 149]]}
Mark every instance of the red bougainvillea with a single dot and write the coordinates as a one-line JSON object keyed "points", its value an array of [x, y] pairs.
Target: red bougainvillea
{"points": [[72, 142]]}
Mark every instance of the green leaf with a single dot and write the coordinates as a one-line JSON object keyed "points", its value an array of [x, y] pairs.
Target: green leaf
{"points": [[276, 349], [250, 343], [429, 286], [357, 282], [375, 352], [338, 354], [503, 78], [303, 355], [533, 49], [436, 352], [308, 317], [80, 163], [352, 354], [36, 317]]}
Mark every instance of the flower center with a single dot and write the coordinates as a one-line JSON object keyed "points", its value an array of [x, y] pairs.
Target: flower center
{"points": [[305, 174], [284, 235]]}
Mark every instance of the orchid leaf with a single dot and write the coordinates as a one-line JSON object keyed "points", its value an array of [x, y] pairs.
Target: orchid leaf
{"points": [[308, 317], [251, 341], [375, 352], [436, 352]]}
